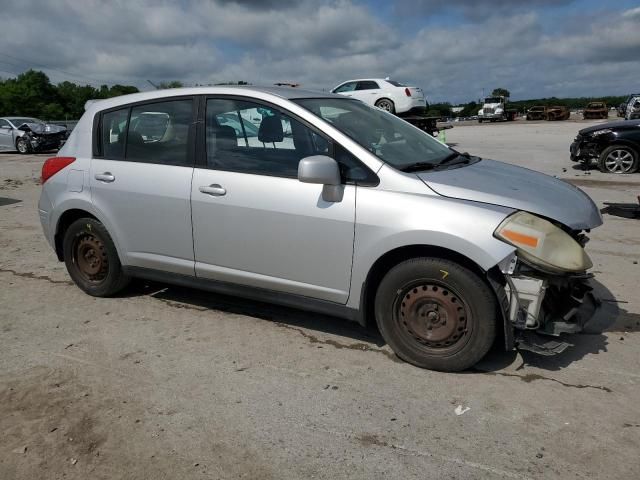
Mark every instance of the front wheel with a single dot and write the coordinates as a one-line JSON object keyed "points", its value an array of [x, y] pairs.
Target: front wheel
{"points": [[386, 105], [436, 314], [22, 145], [618, 159], [91, 258]]}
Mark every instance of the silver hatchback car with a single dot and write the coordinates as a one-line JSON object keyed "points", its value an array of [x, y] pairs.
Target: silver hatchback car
{"points": [[320, 202]]}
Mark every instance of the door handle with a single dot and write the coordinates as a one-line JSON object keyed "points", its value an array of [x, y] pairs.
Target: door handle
{"points": [[105, 177], [213, 189]]}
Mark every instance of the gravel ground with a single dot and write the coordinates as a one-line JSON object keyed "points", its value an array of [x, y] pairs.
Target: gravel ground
{"points": [[166, 382]]}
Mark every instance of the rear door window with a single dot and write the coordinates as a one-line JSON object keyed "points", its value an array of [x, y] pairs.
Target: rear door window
{"points": [[367, 85], [159, 133]]}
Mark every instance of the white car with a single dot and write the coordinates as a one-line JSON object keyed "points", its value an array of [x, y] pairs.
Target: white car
{"points": [[386, 94]]}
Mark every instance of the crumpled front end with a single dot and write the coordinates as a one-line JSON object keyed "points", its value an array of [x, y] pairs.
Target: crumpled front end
{"points": [[42, 137], [543, 305]]}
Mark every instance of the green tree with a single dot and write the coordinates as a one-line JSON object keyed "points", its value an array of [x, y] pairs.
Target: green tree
{"points": [[171, 84], [439, 110], [27, 94], [500, 92], [32, 94], [469, 110]]}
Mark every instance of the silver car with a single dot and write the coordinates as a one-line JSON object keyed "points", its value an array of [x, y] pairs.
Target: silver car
{"points": [[28, 134], [321, 202]]}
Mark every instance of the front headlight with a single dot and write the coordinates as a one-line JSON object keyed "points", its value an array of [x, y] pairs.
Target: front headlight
{"points": [[481, 112], [604, 131], [498, 110], [543, 244]]}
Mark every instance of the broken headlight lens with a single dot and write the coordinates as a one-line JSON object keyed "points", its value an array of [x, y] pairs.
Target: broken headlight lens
{"points": [[543, 244]]}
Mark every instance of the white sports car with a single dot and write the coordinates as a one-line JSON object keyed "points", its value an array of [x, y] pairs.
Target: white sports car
{"points": [[386, 94]]}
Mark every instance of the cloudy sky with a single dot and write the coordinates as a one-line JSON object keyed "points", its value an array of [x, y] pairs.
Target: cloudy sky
{"points": [[453, 49]]}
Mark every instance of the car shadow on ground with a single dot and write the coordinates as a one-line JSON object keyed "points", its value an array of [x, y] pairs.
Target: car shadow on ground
{"points": [[183, 297], [610, 317]]}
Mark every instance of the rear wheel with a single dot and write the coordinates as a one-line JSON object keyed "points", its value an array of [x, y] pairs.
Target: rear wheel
{"points": [[618, 159], [91, 258], [436, 314], [22, 145], [386, 104]]}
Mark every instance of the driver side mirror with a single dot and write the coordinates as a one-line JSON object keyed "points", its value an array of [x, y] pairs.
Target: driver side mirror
{"points": [[322, 170]]}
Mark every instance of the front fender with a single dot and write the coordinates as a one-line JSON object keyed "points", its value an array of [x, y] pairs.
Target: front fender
{"points": [[390, 220]]}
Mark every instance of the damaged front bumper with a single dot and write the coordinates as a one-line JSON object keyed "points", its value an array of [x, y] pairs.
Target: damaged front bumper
{"points": [[547, 304]]}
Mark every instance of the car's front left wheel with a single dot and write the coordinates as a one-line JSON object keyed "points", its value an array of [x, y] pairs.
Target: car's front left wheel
{"points": [[436, 313], [22, 145], [91, 258]]}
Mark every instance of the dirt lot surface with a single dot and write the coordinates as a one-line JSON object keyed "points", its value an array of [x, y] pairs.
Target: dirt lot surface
{"points": [[168, 383]]}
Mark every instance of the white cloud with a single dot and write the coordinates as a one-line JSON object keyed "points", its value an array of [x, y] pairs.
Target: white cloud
{"points": [[320, 44]]}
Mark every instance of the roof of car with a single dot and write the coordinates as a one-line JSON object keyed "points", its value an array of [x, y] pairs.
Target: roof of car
{"points": [[366, 79], [289, 93]]}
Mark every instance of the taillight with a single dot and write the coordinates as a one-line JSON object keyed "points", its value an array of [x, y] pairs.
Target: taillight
{"points": [[407, 92], [54, 165]]}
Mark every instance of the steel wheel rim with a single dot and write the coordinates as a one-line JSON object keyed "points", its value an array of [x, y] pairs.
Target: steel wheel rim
{"points": [[385, 105], [90, 258], [433, 317], [619, 161]]}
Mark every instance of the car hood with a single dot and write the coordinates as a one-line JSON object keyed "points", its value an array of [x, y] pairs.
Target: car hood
{"points": [[42, 128], [616, 124], [498, 183]]}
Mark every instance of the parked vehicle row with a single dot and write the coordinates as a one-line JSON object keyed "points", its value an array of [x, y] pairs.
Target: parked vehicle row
{"points": [[541, 112], [445, 251]]}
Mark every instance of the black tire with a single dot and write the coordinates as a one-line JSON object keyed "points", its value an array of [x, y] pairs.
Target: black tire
{"points": [[450, 322], [618, 159], [22, 145], [386, 104], [91, 258], [479, 120]]}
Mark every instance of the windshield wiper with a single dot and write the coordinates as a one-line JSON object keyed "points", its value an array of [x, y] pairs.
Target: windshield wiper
{"points": [[455, 158], [418, 166]]}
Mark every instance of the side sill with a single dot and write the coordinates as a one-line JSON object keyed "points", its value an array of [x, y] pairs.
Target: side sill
{"points": [[252, 293]]}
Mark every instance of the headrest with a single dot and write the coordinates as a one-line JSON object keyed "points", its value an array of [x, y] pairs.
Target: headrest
{"points": [[226, 138], [271, 130]]}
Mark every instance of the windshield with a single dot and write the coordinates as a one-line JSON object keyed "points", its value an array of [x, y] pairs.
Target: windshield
{"points": [[19, 121], [493, 100], [389, 138]]}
